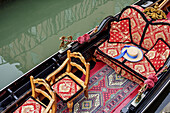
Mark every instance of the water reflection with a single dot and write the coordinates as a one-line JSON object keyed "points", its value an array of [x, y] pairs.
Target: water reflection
{"points": [[11, 71], [28, 43]]}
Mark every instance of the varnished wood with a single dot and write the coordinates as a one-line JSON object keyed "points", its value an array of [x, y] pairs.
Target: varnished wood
{"points": [[69, 65], [51, 77], [51, 107], [70, 106]]}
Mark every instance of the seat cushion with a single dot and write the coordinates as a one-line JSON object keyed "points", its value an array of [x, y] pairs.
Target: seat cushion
{"points": [[66, 88], [118, 68], [143, 67], [152, 62], [108, 61], [137, 72], [112, 49], [30, 106]]}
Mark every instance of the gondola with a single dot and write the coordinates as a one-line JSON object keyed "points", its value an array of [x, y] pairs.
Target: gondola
{"points": [[16, 92]]}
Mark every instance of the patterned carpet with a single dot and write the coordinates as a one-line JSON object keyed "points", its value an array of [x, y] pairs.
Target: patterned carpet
{"points": [[107, 90]]}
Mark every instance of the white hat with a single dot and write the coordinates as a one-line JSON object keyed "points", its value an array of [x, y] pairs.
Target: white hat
{"points": [[132, 53]]}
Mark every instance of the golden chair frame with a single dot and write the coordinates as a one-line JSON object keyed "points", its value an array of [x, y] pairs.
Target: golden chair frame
{"points": [[36, 91], [52, 78]]}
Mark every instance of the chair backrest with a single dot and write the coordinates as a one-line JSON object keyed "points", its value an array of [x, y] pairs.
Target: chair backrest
{"points": [[82, 59], [51, 78], [47, 92]]}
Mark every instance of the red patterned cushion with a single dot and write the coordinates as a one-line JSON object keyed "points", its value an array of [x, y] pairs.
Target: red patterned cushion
{"points": [[119, 31], [158, 54], [155, 31], [112, 49], [66, 88], [108, 62], [30, 106], [118, 68], [131, 77], [137, 21], [142, 67]]}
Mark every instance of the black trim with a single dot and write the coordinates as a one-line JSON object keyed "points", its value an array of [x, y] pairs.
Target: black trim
{"points": [[143, 34], [81, 89], [158, 23], [124, 61], [25, 101], [151, 49]]}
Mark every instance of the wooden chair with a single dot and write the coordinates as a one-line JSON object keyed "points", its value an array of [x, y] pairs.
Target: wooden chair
{"points": [[68, 86], [34, 104]]}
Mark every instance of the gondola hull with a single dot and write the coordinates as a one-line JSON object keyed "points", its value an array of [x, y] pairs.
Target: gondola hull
{"points": [[20, 89]]}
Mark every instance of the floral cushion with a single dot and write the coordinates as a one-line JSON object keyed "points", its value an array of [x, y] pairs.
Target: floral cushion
{"points": [[66, 88], [30, 106], [142, 29]]}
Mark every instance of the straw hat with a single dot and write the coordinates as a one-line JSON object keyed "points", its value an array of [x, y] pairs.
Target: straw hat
{"points": [[132, 53]]}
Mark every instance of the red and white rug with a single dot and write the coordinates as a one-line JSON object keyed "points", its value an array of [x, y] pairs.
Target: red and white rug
{"points": [[107, 91]]}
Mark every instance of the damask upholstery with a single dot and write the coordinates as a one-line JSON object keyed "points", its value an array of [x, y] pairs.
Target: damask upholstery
{"points": [[66, 87], [155, 30], [30, 106], [152, 37], [119, 31], [158, 54]]}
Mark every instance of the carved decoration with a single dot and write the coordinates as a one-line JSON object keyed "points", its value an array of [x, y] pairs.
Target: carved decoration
{"points": [[63, 39], [155, 13]]}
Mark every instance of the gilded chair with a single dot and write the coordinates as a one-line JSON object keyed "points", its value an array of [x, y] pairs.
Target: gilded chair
{"points": [[68, 86], [34, 104]]}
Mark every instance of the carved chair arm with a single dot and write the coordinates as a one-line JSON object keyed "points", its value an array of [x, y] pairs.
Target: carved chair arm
{"points": [[52, 75]]}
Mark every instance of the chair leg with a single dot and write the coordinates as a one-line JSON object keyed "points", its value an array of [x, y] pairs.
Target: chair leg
{"points": [[86, 92], [70, 106]]}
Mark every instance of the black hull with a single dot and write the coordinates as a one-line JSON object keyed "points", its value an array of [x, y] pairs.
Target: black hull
{"points": [[21, 88]]}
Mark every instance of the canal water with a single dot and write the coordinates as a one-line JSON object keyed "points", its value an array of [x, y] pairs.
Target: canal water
{"points": [[30, 29]]}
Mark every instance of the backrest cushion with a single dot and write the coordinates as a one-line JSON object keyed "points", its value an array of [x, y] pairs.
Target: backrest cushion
{"points": [[159, 54], [138, 21], [156, 29], [120, 31]]}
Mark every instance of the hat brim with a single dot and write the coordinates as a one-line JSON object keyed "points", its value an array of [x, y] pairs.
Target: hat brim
{"points": [[138, 58]]}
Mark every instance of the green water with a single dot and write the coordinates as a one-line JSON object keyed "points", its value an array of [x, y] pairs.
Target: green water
{"points": [[30, 29]]}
